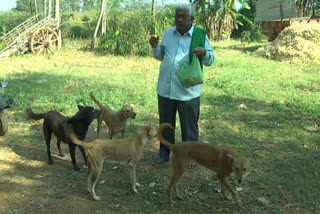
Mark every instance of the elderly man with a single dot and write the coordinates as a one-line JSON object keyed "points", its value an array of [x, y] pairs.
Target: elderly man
{"points": [[174, 50]]}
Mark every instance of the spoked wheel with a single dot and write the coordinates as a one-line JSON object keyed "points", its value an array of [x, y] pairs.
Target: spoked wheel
{"points": [[44, 41]]}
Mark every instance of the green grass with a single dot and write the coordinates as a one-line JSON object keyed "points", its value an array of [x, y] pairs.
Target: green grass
{"points": [[282, 99]]}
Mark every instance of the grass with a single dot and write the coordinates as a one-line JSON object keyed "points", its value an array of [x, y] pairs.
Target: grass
{"points": [[281, 100]]}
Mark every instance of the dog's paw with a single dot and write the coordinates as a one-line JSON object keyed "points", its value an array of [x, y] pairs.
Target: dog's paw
{"points": [[138, 185], [85, 166], [61, 155], [135, 190], [50, 162], [76, 168], [96, 198]]}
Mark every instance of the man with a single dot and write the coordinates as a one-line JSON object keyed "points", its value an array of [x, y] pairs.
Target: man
{"points": [[172, 95]]}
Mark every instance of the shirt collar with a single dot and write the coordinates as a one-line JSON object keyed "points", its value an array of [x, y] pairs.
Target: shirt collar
{"points": [[189, 32]]}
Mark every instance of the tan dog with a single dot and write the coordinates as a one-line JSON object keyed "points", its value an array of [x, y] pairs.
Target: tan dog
{"points": [[127, 150], [115, 121], [221, 160]]}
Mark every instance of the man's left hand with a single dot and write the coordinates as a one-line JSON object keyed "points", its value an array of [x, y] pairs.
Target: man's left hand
{"points": [[200, 52]]}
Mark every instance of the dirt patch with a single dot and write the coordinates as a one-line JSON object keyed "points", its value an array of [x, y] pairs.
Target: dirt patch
{"points": [[299, 43], [29, 185]]}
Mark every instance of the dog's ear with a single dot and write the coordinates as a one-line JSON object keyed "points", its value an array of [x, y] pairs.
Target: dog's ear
{"points": [[80, 107]]}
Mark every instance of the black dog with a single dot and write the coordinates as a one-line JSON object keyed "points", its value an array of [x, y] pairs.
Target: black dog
{"points": [[56, 123]]}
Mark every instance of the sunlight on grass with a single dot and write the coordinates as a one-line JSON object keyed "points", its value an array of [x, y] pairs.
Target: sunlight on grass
{"points": [[281, 99]]}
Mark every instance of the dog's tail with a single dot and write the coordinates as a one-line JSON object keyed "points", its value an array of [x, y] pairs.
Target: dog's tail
{"points": [[34, 116], [76, 140], [95, 100], [162, 127]]}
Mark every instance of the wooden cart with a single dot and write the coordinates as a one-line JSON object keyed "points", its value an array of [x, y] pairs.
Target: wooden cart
{"points": [[37, 36]]}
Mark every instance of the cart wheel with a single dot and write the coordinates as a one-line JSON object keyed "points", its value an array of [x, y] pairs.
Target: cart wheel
{"points": [[44, 41]]}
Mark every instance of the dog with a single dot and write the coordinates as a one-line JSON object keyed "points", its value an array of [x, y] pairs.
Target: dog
{"points": [[128, 150], [54, 122], [223, 161], [115, 121]]}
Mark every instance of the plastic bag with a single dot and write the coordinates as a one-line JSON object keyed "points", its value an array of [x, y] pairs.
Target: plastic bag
{"points": [[191, 74]]}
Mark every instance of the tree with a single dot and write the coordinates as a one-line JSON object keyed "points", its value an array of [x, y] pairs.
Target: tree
{"points": [[307, 7], [219, 17]]}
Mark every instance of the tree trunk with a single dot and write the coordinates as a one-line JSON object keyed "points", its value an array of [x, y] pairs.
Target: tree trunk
{"points": [[104, 21], [50, 4], [98, 23], [30, 7], [44, 8], [57, 15], [153, 11], [36, 6]]}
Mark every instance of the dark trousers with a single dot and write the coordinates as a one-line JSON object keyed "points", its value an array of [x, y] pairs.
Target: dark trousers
{"points": [[188, 115]]}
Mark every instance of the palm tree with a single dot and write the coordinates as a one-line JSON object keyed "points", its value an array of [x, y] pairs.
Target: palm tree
{"points": [[220, 17]]}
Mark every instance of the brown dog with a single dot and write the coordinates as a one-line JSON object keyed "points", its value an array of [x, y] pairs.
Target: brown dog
{"points": [[115, 121], [127, 150], [221, 160]]}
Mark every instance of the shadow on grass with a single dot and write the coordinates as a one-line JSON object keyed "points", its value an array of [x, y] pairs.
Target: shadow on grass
{"points": [[245, 47]]}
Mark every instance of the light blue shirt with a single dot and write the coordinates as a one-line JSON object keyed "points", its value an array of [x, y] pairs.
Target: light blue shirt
{"points": [[173, 51]]}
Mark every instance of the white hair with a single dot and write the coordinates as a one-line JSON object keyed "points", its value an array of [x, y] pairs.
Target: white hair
{"points": [[187, 7]]}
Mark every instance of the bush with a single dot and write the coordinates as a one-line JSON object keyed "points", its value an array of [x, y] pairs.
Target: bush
{"points": [[79, 25], [9, 20], [252, 35], [128, 32]]}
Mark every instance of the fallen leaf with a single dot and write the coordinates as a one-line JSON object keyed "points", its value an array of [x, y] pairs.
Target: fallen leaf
{"points": [[263, 201], [242, 107], [38, 176], [313, 128], [152, 184], [239, 189]]}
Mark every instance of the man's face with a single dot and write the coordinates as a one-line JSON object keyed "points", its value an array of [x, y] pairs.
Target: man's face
{"points": [[183, 21]]}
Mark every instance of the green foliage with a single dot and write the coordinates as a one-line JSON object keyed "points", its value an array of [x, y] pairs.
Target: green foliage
{"points": [[9, 20], [128, 32], [79, 25], [252, 35], [248, 31]]}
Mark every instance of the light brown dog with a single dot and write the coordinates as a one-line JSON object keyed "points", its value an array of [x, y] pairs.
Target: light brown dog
{"points": [[115, 121], [127, 150], [223, 161]]}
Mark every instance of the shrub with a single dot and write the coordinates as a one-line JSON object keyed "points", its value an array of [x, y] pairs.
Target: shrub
{"points": [[252, 35], [128, 32], [79, 25], [9, 20]]}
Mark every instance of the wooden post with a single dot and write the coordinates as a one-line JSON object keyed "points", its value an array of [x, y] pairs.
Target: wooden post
{"points": [[57, 15]]}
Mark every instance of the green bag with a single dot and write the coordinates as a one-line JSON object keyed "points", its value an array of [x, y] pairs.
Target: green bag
{"points": [[191, 74]]}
